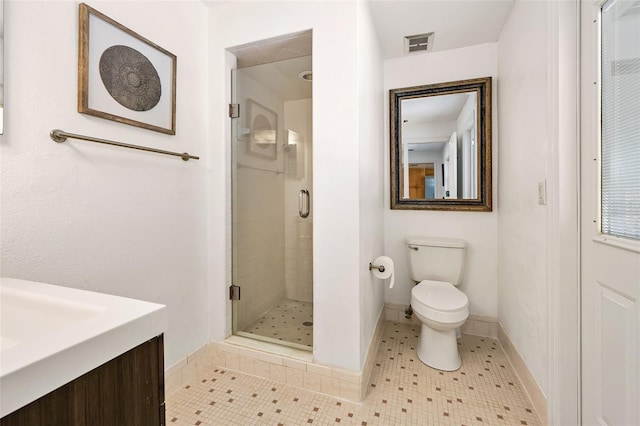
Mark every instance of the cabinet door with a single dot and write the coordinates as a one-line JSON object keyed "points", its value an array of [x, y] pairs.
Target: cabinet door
{"points": [[128, 390]]}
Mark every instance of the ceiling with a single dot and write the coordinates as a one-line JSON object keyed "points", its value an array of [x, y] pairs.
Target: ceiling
{"points": [[282, 77], [456, 23], [434, 109], [274, 49]]}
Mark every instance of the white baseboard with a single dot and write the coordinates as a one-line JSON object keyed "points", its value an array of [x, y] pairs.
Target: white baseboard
{"points": [[477, 325], [527, 380], [371, 356]]}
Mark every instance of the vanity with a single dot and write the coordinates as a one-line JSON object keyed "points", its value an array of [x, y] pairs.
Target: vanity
{"points": [[75, 357]]}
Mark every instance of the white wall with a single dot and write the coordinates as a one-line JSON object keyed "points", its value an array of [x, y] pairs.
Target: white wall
{"points": [[336, 155], [467, 169], [96, 217], [467, 113], [371, 169], [522, 223], [427, 157], [479, 229]]}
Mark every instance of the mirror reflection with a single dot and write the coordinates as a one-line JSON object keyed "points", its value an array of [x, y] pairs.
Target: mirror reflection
{"points": [[439, 133], [441, 148]]}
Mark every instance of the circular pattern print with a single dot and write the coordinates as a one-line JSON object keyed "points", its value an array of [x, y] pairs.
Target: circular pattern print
{"points": [[130, 78]]}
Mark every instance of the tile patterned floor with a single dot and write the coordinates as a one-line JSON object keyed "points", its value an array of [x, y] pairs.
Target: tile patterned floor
{"points": [[286, 322], [403, 391]]}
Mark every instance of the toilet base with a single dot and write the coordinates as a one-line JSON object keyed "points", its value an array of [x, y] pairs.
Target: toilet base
{"points": [[439, 348]]}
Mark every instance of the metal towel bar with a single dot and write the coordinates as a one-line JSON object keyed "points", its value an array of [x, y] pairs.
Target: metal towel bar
{"points": [[60, 136]]}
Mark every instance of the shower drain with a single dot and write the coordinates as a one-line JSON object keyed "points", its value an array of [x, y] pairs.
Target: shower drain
{"points": [[307, 323]]}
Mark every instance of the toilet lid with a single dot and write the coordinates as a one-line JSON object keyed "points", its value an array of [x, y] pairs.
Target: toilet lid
{"points": [[440, 295]]}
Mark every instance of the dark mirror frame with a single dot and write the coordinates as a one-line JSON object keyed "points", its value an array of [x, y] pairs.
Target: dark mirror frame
{"points": [[482, 86]]}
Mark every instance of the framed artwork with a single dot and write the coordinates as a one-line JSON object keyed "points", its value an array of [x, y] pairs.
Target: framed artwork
{"points": [[263, 125], [124, 77]]}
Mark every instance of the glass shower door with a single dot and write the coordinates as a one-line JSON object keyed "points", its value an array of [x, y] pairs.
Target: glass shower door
{"points": [[272, 214]]}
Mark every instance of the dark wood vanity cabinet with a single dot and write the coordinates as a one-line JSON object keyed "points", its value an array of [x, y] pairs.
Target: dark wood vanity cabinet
{"points": [[128, 390]]}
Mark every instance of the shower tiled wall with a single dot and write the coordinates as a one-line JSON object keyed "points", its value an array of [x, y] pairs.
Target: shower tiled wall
{"points": [[299, 231]]}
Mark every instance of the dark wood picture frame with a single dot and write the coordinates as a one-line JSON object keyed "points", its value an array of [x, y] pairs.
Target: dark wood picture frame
{"points": [[94, 95]]}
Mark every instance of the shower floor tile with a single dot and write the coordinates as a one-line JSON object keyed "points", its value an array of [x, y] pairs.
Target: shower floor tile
{"points": [[403, 391], [290, 321]]}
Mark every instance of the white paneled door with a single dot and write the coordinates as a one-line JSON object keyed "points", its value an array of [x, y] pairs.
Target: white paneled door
{"points": [[610, 206]]}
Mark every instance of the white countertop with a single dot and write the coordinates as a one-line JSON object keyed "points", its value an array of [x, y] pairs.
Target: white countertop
{"points": [[50, 335]]}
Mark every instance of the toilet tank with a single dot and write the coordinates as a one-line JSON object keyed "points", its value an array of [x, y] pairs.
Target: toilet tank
{"points": [[434, 258]]}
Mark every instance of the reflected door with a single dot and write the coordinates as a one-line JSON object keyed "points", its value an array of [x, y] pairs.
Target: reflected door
{"points": [[430, 185], [451, 167], [417, 182]]}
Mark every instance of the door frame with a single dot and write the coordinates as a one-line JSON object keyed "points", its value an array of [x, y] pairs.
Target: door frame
{"points": [[563, 197], [564, 232]]}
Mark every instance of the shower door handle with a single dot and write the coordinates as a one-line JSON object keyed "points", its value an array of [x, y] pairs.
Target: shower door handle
{"points": [[304, 207]]}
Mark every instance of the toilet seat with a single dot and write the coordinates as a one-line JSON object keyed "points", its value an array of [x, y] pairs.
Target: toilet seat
{"points": [[440, 301]]}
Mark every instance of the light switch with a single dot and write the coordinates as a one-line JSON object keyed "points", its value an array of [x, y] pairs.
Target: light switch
{"points": [[542, 193]]}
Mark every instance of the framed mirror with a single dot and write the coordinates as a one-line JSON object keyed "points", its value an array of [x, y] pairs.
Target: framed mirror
{"points": [[441, 146]]}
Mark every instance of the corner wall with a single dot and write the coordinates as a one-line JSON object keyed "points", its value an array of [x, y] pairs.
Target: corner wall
{"points": [[96, 217], [371, 170], [337, 265], [479, 229], [523, 65]]}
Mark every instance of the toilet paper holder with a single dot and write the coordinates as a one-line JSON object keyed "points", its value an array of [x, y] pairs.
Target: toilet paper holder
{"points": [[379, 268]]}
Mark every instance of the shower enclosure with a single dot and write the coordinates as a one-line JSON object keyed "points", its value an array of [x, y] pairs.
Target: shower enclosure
{"points": [[272, 201]]}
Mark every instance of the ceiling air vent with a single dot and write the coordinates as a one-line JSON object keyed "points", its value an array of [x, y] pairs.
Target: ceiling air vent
{"points": [[419, 42]]}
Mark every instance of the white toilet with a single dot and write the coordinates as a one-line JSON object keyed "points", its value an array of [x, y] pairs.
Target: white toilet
{"points": [[437, 265]]}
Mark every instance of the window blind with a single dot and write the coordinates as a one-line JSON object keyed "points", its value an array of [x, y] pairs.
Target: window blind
{"points": [[620, 118]]}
